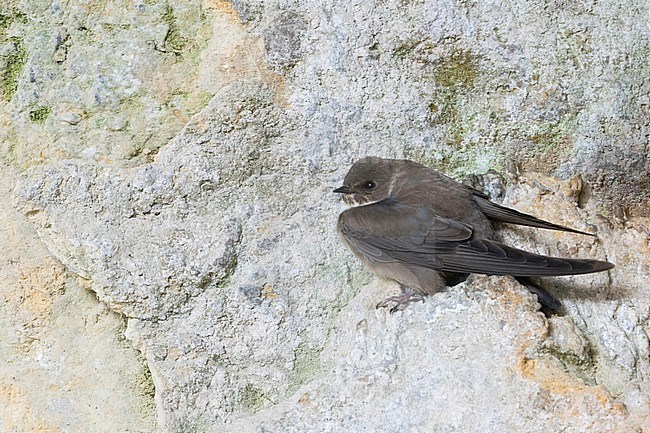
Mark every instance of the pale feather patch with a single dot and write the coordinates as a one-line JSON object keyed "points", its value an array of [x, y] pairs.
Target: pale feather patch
{"points": [[357, 200]]}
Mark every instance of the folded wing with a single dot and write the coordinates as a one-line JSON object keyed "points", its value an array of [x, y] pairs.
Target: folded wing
{"points": [[388, 231], [503, 214]]}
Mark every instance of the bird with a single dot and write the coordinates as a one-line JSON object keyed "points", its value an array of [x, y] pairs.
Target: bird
{"points": [[424, 230]]}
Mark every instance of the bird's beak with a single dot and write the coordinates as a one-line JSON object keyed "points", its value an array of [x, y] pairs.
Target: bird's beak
{"points": [[342, 190]]}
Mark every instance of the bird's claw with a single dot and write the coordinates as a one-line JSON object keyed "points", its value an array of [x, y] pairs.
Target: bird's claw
{"points": [[403, 300]]}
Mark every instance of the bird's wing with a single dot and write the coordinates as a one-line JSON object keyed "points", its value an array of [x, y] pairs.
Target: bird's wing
{"points": [[503, 214], [388, 231]]}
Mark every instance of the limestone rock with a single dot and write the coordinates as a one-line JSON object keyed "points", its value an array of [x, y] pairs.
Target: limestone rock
{"points": [[178, 158], [65, 362]]}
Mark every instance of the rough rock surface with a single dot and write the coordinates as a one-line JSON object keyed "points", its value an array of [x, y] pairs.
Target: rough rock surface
{"points": [[65, 363], [179, 158]]}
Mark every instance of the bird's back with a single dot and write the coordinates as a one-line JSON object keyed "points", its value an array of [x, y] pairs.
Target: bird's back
{"points": [[420, 186]]}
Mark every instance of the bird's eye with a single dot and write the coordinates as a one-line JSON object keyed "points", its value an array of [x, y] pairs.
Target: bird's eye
{"points": [[369, 185]]}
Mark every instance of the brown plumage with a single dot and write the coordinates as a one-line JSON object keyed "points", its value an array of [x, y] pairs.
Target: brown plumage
{"points": [[424, 230]]}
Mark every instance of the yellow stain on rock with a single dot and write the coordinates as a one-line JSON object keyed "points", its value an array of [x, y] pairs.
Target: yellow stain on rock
{"points": [[557, 384], [224, 7], [233, 54], [268, 292], [37, 287], [20, 418]]}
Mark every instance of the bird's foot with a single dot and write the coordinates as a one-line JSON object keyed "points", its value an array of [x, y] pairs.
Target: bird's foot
{"points": [[403, 300]]}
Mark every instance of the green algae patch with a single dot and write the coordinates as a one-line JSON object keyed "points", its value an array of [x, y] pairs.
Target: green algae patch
{"points": [[306, 365], [253, 398], [39, 115], [174, 42], [459, 69], [11, 66]]}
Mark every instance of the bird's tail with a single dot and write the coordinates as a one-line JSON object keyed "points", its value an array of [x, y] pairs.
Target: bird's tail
{"points": [[550, 304], [484, 256]]}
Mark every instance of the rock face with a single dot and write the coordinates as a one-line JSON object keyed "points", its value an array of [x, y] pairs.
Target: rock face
{"points": [[65, 363], [177, 160]]}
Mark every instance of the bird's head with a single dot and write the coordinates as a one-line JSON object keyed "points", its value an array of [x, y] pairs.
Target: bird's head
{"points": [[369, 180]]}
